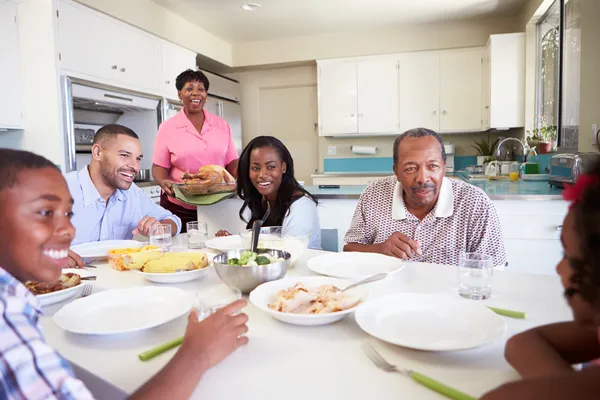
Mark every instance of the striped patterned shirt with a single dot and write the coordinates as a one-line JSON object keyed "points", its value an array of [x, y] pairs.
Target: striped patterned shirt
{"points": [[30, 368]]}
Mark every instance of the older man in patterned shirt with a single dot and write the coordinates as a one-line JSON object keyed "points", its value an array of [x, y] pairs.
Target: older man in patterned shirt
{"points": [[421, 215]]}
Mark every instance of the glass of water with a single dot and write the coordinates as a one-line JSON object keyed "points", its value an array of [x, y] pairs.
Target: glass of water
{"points": [[475, 276], [160, 235], [197, 232], [211, 299]]}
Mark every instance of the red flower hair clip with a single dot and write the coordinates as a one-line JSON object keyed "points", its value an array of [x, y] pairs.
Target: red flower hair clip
{"points": [[574, 193]]}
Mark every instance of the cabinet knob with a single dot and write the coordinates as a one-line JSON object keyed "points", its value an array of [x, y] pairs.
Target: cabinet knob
{"points": [[352, 115], [114, 67], [360, 115], [435, 113], [123, 69], [444, 112], [559, 227], [487, 107], [168, 82]]}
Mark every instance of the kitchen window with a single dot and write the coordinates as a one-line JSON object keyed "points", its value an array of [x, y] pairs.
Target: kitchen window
{"points": [[559, 55]]}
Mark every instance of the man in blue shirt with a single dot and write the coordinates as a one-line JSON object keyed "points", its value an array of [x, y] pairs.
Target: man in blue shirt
{"points": [[108, 206]]}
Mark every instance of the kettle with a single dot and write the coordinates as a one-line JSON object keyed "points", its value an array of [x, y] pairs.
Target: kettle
{"points": [[492, 168]]}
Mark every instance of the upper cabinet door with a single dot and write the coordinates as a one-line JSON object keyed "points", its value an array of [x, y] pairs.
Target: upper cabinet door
{"points": [[460, 90], [485, 89], [378, 96], [175, 60], [419, 91], [10, 72], [139, 58], [338, 98], [87, 42]]}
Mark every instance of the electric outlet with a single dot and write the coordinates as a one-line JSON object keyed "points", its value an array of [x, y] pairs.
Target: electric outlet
{"points": [[331, 150], [594, 132]]}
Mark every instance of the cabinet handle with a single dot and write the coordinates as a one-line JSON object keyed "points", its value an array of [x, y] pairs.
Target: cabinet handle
{"points": [[559, 227], [114, 67], [123, 69]]}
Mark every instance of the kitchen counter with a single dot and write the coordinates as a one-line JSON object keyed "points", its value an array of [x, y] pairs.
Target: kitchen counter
{"points": [[146, 183]]}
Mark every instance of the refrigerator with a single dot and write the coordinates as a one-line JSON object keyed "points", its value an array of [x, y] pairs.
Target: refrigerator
{"points": [[229, 110]]}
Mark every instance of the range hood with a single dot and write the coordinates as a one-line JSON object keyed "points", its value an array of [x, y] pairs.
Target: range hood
{"points": [[96, 99]]}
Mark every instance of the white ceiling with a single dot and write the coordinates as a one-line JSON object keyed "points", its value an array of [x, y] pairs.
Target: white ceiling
{"points": [[295, 18]]}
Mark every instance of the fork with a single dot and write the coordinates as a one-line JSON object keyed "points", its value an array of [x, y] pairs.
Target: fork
{"points": [[87, 290], [432, 384]]}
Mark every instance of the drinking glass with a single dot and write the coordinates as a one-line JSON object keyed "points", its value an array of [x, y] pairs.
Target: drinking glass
{"points": [[197, 232], [160, 235], [211, 299], [475, 276]]}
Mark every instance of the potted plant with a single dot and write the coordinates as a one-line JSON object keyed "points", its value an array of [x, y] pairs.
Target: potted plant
{"points": [[543, 138], [485, 149]]}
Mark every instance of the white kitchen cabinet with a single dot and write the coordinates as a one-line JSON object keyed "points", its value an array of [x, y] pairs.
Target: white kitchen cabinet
{"points": [[358, 97], [377, 97], [460, 90], [504, 81], [419, 91], [175, 60], [441, 90], [10, 68], [337, 98], [97, 47]]}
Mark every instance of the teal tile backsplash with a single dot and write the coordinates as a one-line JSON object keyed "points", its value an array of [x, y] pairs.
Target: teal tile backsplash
{"points": [[385, 164]]}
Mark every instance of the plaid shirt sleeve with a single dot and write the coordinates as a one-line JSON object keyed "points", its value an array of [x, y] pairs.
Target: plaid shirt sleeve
{"points": [[30, 368]]}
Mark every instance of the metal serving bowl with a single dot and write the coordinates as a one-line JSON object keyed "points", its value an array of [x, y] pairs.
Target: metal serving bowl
{"points": [[248, 278]]}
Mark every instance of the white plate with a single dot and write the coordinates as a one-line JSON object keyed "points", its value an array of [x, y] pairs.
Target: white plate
{"points": [[265, 294], [225, 243], [354, 265], [430, 322], [119, 311], [175, 277], [100, 249], [65, 294]]}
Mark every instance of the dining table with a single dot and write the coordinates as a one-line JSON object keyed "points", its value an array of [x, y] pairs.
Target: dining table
{"points": [[284, 361]]}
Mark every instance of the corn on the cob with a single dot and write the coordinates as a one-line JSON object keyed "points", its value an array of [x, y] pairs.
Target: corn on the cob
{"points": [[140, 258], [168, 265], [199, 259]]}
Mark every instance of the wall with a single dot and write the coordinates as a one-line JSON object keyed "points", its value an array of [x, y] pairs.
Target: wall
{"points": [[42, 112], [408, 38], [158, 20], [590, 79]]}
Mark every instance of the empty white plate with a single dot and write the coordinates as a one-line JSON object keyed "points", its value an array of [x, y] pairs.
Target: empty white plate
{"points": [[225, 243], [354, 265], [100, 249], [123, 310], [430, 322]]}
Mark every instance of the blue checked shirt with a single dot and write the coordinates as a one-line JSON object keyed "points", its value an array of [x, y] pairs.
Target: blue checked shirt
{"points": [[94, 219], [29, 368]]}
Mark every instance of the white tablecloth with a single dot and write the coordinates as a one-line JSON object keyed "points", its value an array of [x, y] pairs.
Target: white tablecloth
{"points": [[291, 362]]}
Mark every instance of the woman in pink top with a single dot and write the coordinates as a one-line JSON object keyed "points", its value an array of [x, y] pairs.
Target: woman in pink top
{"points": [[545, 355], [191, 139]]}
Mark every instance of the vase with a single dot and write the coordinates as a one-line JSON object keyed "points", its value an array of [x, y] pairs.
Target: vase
{"points": [[481, 159], [544, 147]]}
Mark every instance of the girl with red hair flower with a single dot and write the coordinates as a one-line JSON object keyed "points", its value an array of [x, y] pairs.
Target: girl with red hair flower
{"points": [[545, 356]]}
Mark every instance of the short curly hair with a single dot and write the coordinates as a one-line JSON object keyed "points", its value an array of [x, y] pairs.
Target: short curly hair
{"points": [[12, 162], [586, 271], [191, 76]]}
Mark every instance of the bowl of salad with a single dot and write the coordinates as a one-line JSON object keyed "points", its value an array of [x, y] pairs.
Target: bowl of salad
{"points": [[245, 270]]}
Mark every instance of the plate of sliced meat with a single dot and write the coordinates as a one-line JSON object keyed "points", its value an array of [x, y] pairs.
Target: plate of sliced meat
{"points": [[208, 180], [70, 284]]}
